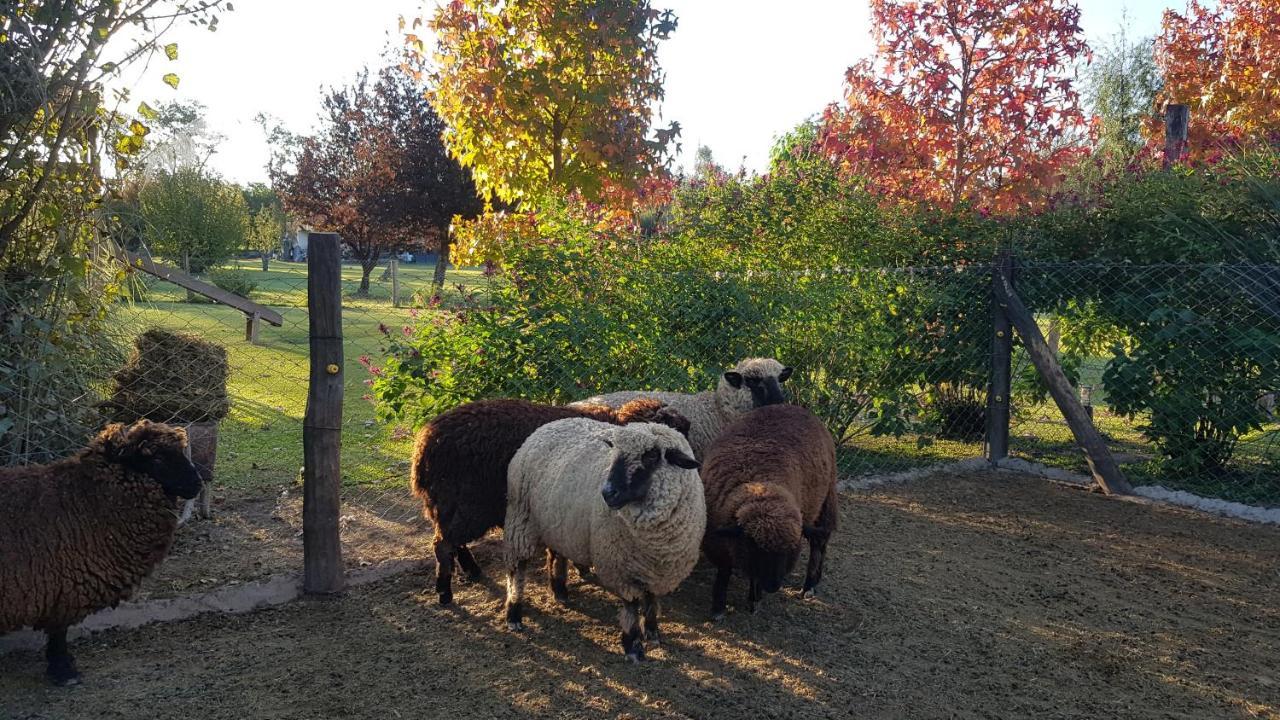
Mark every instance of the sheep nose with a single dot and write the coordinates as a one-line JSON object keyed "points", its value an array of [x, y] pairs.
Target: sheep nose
{"points": [[612, 497]]}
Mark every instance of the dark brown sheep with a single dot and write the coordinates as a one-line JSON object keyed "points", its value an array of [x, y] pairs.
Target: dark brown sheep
{"points": [[770, 480], [78, 534], [460, 467]]}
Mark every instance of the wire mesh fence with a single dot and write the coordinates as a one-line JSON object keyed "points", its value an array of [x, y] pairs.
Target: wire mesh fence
{"points": [[1180, 366]]}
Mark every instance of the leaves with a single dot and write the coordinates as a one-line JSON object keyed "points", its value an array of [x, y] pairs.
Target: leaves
{"points": [[536, 105], [965, 102], [171, 79], [171, 51]]}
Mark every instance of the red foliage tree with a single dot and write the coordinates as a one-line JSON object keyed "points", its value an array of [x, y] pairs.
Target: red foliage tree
{"points": [[378, 173], [1224, 62], [965, 101]]}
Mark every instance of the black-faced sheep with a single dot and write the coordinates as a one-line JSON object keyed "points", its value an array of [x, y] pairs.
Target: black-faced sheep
{"points": [[624, 500], [78, 534], [753, 383], [770, 483], [460, 468]]}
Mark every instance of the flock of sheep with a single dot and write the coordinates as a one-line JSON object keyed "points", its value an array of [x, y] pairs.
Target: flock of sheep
{"points": [[612, 485], [630, 486]]}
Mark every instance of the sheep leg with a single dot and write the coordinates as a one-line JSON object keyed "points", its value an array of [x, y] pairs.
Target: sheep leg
{"points": [[753, 595], [651, 608], [720, 592], [558, 574], [515, 594], [445, 553], [632, 645], [62, 667], [813, 574], [469, 564]]}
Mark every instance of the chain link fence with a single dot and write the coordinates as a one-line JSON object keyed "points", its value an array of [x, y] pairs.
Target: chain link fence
{"points": [[1180, 366]]}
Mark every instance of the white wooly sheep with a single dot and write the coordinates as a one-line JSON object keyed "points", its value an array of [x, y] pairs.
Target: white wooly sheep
{"points": [[626, 500], [753, 383]]}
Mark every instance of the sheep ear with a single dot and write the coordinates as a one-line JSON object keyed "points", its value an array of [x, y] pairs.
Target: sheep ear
{"points": [[786, 373], [815, 533], [676, 457], [734, 531], [733, 378]]}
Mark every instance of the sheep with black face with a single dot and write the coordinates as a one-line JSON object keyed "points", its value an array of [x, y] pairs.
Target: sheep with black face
{"points": [[770, 482], [752, 383], [77, 535], [625, 500]]}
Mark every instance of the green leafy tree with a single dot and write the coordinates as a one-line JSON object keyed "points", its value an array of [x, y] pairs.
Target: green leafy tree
{"points": [[549, 97], [196, 220], [268, 222], [1123, 84]]}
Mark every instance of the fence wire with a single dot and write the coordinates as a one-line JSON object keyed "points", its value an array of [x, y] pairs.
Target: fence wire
{"points": [[1180, 366]]}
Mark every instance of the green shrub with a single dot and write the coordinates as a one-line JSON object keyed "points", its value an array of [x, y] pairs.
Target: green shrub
{"points": [[233, 280]]}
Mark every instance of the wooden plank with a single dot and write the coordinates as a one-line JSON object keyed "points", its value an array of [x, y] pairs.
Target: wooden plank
{"points": [[1176, 120], [322, 423], [1001, 368], [251, 325], [213, 292], [1106, 472]]}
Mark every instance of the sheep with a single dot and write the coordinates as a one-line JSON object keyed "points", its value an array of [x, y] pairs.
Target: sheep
{"points": [[459, 468], [770, 481], [753, 383], [77, 535], [625, 501]]}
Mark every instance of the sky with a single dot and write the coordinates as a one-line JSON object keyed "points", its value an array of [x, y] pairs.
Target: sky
{"points": [[738, 72]]}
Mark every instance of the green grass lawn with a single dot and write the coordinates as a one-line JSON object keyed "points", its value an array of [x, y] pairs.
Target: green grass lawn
{"points": [[260, 443], [261, 440]]}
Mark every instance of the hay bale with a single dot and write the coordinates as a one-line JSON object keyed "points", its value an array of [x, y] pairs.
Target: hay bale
{"points": [[171, 378]]}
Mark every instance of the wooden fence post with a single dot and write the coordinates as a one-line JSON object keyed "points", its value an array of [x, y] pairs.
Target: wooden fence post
{"points": [[1001, 367], [322, 426], [1176, 120], [1105, 470], [395, 282]]}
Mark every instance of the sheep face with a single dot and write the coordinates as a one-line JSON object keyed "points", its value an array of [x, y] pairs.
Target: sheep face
{"points": [[636, 455], [754, 383], [154, 450]]}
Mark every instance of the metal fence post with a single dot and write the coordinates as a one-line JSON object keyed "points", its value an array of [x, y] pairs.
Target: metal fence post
{"points": [[1001, 367], [322, 424]]}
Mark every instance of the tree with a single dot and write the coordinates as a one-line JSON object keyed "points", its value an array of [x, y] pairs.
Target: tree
{"points": [[378, 172], [180, 138], [268, 222], [966, 101], [195, 219], [551, 96], [1122, 89], [1225, 63]]}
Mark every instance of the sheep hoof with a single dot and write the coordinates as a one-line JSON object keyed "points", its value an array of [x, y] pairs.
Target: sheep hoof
{"points": [[446, 598], [635, 657], [653, 636], [809, 593], [515, 626], [64, 675], [562, 598]]}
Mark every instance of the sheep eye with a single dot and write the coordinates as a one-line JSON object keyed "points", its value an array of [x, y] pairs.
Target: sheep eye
{"points": [[649, 457]]}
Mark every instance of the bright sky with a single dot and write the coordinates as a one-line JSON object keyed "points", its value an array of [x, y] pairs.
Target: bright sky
{"points": [[739, 72]]}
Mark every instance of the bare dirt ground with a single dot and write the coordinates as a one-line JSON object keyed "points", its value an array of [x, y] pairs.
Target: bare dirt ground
{"points": [[971, 597]]}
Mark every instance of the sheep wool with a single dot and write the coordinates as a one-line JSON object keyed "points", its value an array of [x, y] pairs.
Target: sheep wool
{"points": [[459, 468], [770, 482], [77, 535], [754, 382], [639, 551]]}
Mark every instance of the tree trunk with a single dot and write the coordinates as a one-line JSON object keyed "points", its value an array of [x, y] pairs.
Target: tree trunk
{"points": [[266, 261], [365, 271], [442, 260]]}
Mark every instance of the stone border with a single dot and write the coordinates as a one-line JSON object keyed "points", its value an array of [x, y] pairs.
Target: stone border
{"points": [[229, 599], [866, 482]]}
